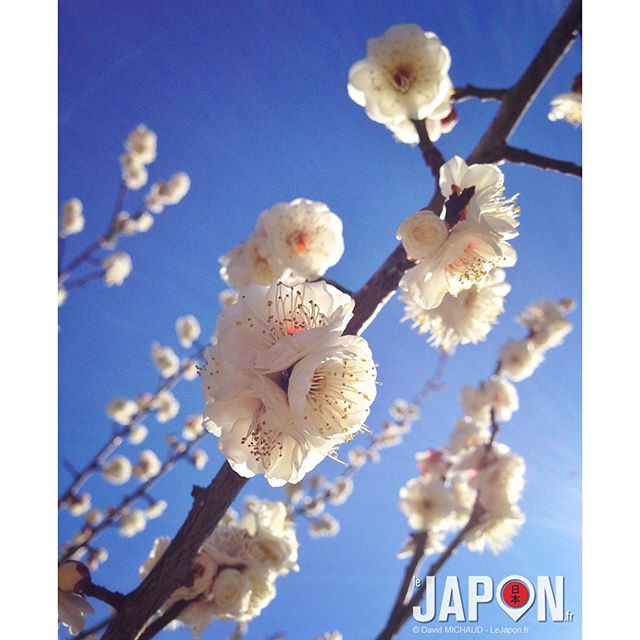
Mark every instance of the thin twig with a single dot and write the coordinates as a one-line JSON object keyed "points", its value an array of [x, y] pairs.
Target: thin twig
{"points": [[112, 598], [92, 531], [522, 156], [122, 432], [163, 620]]}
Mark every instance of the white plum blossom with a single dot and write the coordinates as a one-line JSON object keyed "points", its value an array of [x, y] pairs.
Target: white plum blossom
{"points": [[292, 242], [134, 172], [251, 263], [165, 405], [227, 297], [165, 359], [192, 427], [468, 434], [325, 526], [340, 490], [567, 107], [200, 459], [547, 323], [304, 236], [499, 483], [283, 388], [138, 434], [167, 193], [519, 359], [72, 606], [443, 120], [116, 267], [156, 509], [79, 505], [427, 503], [63, 294], [189, 369], [422, 234], [488, 205], [236, 567], [142, 144], [463, 319], [148, 465], [404, 76], [132, 522], [72, 220], [476, 242], [117, 470], [122, 410], [187, 330], [496, 394], [357, 457], [471, 251]]}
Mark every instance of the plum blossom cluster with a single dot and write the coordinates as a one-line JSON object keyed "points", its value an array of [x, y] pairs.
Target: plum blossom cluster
{"points": [[283, 387], [568, 106], [140, 151], [137, 507], [475, 483], [456, 290], [405, 77], [235, 570], [292, 242]]}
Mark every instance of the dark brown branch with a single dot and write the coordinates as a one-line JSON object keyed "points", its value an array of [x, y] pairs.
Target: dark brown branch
{"points": [[162, 621], [430, 152], [113, 598], [522, 156], [470, 91], [523, 93], [456, 203], [174, 567], [420, 542], [401, 613]]}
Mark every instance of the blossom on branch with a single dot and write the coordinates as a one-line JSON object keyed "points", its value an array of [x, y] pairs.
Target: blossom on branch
{"points": [[404, 76], [568, 106], [188, 330], [116, 267], [463, 319], [236, 567], [117, 470], [292, 242], [283, 388], [165, 359], [72, 606], [72, 220]]}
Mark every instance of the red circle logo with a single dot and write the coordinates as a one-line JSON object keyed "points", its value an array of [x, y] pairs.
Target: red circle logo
{"points": [[515, 594]]}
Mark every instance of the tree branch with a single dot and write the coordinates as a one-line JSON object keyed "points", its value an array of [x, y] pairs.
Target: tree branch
{"points": [[162, 621], [430, 152], [113, 598], [470, 91], [173, 570], [522, 156]]}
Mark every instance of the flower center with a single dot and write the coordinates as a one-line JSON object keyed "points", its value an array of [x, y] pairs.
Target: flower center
{"points": [[403, 77], [469, 267]]}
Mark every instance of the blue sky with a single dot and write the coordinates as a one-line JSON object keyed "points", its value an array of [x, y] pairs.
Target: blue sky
{"points": [[250, 99]]}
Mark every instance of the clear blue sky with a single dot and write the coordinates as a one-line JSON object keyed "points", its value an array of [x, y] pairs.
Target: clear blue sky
{"points": [[250, 99]]}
